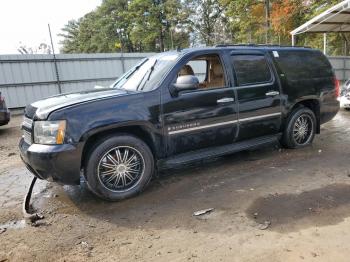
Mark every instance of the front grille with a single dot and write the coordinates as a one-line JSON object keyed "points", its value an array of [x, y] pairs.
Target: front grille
{"points": [[27, 122], [27, 130], [27, 137]]}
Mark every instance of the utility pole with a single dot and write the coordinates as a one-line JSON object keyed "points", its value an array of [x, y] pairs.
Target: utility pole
{"points": [[172, 38], [120, 32], [267, 19], [55, 63]]}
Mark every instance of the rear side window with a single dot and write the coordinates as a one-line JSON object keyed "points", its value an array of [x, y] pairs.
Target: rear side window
{"points": [[251, 69], [298, 65]]}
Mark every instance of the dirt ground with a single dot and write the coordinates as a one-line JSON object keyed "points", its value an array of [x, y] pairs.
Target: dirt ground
{"points": [[269, 205]]}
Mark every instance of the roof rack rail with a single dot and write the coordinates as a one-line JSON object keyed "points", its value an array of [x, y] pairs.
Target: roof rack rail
{"points": [[258, 45]]}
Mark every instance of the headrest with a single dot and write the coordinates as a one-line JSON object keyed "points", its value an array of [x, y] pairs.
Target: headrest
{"points": [[186, 70], [216, 68]]}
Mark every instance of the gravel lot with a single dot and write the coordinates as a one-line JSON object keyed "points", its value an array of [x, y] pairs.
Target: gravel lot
{"points": [[269, 205]]}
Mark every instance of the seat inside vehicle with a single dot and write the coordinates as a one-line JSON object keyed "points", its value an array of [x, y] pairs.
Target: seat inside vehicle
{"points": [[216, 74], [208, 69]]}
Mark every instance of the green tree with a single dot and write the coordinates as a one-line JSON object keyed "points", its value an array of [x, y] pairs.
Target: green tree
{"points": [[114, 25], [158, 25], [123, 25], [243, 20], [207, 21], [70, 34], [286, 15], [155, 24]]}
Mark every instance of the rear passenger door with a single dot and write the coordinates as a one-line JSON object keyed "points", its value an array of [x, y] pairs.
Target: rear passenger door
{"points": [[258, 94]]}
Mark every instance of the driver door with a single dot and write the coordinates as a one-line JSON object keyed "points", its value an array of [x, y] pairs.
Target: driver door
{"points": [[205, 117]]}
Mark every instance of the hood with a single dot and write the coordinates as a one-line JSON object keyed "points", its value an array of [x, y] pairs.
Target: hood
{"points": [[43, 108]]}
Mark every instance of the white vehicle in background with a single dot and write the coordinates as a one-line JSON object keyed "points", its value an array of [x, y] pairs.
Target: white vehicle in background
{"points": [[345, 100], [345, 95], [346, 85]]}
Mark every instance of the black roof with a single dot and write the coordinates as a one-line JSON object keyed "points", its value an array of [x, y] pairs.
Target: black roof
{"points": [[248, 46], [262, 46]]}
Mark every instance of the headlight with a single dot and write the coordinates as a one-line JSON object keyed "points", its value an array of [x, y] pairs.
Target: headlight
{"points": [[49, 132]]}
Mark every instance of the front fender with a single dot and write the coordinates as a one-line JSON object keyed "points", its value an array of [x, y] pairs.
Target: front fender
{"points": [[146, 126]]}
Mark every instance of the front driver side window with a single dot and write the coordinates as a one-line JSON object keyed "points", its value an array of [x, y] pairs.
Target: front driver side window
{"points": [[208, 69]]}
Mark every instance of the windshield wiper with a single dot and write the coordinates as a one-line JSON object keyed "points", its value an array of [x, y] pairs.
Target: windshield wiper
{"points": [[130, 74], [133, 71], [148, 77]]}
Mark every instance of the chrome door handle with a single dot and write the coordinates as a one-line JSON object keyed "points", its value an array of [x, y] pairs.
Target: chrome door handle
{"points": [[272, 93], [225, 100]]}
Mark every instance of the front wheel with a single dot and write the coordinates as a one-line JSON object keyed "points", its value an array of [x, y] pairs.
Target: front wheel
{"points": [[301, 128], [119, 167]]}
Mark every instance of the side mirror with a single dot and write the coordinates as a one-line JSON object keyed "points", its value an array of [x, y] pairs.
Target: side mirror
{"points": [[187, 82]]}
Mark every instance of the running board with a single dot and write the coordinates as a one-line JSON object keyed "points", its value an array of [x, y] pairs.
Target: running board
{"points": [[202, 154]]}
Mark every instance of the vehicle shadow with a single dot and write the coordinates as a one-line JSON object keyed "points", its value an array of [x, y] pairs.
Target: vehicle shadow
{"points": [[174, 195], [286, 212], [172, 198], [224, 184]]}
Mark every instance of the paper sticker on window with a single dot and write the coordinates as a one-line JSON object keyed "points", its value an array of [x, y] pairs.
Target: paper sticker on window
{"points": [[275, 54]]}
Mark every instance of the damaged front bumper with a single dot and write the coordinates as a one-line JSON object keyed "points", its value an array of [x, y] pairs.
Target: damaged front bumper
{"points": [[59, 163]]}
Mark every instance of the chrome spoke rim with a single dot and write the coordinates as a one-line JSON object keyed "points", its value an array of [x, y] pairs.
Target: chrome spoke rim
{"points": [[121, 168], [302, 130]]}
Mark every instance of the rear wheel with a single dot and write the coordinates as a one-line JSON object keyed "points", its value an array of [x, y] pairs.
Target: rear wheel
{"points": [[119, 167], [301, 128]]}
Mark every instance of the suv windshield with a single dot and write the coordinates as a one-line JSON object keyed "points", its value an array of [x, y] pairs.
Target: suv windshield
{"points": [[146, 75]]}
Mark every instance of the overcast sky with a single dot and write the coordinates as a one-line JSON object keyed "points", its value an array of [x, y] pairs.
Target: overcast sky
{"points": [[26, 21]]}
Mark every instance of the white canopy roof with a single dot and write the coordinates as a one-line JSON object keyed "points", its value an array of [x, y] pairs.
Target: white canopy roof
{"points": [[335, 19]]}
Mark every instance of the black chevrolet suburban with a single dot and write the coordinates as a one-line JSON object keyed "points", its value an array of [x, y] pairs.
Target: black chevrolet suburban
{"points": [[178, 107]]}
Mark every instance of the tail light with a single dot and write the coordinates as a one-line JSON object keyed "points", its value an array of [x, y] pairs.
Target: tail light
{"points": [[337, 87]]}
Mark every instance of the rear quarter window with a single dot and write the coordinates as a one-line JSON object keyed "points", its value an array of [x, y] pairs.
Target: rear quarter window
{"points": [[297, 65]]}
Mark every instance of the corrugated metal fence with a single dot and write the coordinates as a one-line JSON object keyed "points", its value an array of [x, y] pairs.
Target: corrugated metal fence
{"points": [[27, 78], [341, 64]]}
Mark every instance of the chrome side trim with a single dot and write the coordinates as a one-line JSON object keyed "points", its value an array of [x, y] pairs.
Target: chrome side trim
{"points": [[259, 117], [202, 127], [223, 123], [225, 100], [272, 93]]}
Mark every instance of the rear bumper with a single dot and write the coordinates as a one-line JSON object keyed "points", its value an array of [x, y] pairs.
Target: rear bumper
{"points": [[59, 163], [329, 110], [4, 116]]}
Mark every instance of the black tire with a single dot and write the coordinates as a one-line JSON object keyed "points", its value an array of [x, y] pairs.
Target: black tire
{"points": [[291, 138], [97, 167]]}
